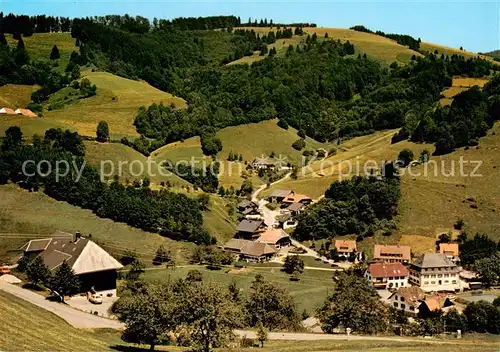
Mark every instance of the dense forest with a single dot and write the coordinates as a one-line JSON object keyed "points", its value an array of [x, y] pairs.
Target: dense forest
{"points": [[360, 205], [171, 214]]}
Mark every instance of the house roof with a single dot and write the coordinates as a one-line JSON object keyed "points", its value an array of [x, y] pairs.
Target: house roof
{"points": [[7, 111], [249, 225], [438, 302], [235, 244], [248, 211], [264, 161], [296, 198], [82, 255], [246, 204], [281, 193], [381, 251], [25, 112], [295, 206], [434, 260], [283, 217], [257, 249], [412, 294], [449, 249], [387, 270], [36, 245], [351, 245], [272, 236]]}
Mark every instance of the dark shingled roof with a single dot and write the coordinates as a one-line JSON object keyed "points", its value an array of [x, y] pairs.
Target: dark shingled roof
{"points": [[281, 193], [434, 260], [247, 204], [295, 206], [249, 225]]}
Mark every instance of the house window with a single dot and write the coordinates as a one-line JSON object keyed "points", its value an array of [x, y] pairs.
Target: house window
{"points": [[446, 281], [433, 282], [402, 299], [396, 304], [454, 282], [403, 306], [412, 308], [440, 275], [426, 282]]}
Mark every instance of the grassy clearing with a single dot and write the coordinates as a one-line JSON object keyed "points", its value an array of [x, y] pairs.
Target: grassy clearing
{"points": [[39, 47], [430, 47], [352, 155], [116, 102], [431, 205], [252, 140], [217, 220], [103, 155], [23, 212], [30, 328], [16, 95], [309, 292], [376, 47], [468, 82]]}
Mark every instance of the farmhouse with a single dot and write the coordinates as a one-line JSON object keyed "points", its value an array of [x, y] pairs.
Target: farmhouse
{"points": [[407, 299], [92, 264], [387, 275], [297, 198], [276, 238], [450, 250], [249, 250], [250, 229], [391, 253], [25, 112], [435, 272], [264, 163], [435, 303], [286, 221], [279, 195], [7, 111], [345, 247]]}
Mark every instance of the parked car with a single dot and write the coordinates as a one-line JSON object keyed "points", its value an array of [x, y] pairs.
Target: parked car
{"points": [[4, 269], [95, 298]]}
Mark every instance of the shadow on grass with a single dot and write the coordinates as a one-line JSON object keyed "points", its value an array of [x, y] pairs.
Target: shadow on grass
{"points": [[30, 286], [124, 348]]}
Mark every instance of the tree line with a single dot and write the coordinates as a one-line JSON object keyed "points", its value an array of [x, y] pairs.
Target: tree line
{"points": [[27, 25], [359, 205], [402, 39], [170, 214]]}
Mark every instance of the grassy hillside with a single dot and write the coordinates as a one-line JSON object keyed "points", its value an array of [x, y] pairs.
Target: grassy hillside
{"points": [[430, 47], [252, 140], [131, 162], [39, 46], [30, 328], [116, 102], [16, 95], [375, 46], [460, 84], [23, 212]]}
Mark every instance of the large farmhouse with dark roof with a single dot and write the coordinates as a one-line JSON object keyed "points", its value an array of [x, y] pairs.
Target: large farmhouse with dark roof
{"points": [[92, 264]]}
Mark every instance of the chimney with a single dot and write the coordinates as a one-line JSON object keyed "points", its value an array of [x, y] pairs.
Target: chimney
{"points": [[77, 236]]}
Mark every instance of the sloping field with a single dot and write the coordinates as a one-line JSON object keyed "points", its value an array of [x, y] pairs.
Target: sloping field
{"points": [[39, 46], [252, 140], [460, 84], [26, 327], [23, 212], [432, 204], [425, 46], [353, 157], [16, 95], [116, 102], [375, 46], [127, 163]]}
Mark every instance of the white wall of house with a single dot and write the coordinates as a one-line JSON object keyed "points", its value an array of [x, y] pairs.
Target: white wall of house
{"points": [[391, 281], [436, 281], [399, 302]]}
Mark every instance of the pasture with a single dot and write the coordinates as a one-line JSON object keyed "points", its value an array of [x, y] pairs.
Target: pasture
{"points": [[308, 293], [39, 47], [442, 49], [26, 215], [30, 328]]}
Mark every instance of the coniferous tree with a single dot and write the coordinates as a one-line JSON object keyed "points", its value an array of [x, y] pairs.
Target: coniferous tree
{"points": [[64, 281], [54, 54]]}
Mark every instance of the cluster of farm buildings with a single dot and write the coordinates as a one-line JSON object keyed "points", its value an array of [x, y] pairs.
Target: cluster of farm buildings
{"points": [[23, 112], [415, 283]]}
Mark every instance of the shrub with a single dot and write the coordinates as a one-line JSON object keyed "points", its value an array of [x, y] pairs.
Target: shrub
{"points": [[299, 144]]}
